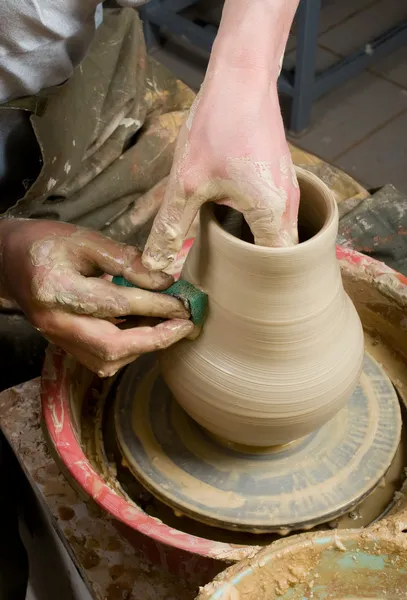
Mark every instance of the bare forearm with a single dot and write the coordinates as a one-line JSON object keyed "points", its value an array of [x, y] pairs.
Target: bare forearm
{"points": [[253, 35]]}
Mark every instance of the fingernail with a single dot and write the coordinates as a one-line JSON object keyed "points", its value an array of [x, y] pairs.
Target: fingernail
{"points": [[155, 264], [159, 276], [157, 260], [195, 333], [181, 313], [159, 279]]}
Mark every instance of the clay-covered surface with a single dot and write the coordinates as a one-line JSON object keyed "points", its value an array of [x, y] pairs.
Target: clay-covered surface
{"points": [[282, 347], [380, 295], [359, 565], [202, 557], [110, 566], [108, 563], [276, 489]]}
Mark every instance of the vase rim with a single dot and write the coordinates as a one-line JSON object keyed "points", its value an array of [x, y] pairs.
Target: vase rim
{"points": [[324, 232]]}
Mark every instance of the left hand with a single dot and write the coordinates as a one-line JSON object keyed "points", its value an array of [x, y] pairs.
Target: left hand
{"points": [[53, 271]]}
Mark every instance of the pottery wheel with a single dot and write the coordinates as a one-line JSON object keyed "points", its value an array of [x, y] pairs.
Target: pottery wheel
{"points": [[297, 486]]}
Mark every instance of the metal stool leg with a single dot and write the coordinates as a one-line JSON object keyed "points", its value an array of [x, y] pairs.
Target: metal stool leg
{"points": [[304, 79], [151, 31]]}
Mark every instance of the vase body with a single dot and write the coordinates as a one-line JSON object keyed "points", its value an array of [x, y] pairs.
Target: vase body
{"points": [[282, 348]]}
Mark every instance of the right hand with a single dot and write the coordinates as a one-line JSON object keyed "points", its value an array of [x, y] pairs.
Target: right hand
{"points": [[232, 150], [53, 271]]}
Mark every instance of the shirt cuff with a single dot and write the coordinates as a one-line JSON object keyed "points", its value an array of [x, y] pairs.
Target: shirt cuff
{"points": [[132, 3]]}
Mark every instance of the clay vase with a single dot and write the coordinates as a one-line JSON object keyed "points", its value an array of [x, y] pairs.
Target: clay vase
{"points": [[282, 348]]}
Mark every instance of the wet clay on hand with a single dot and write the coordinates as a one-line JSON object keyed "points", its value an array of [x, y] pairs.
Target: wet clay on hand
{"points": [[282, 348], [52, 270]]}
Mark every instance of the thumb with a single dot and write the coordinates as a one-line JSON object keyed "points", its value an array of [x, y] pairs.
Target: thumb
{"points": [[171, 227]]}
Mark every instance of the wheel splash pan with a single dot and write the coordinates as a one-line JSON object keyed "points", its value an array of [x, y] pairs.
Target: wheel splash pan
{"points": [[380, 296]]}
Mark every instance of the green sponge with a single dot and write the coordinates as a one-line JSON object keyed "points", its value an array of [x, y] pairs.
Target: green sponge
{"points": [[194, 300]]}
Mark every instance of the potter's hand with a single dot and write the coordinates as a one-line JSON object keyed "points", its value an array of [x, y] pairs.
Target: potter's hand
{"points": [[233, 149], [52, 270]]}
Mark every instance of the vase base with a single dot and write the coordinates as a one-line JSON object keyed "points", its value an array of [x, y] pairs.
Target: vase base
{"points": [[253, 450], [295, 486]]}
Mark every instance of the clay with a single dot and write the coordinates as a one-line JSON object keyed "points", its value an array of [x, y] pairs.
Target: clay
{"points": [[100, 444], [297, 485], [282, 347], [317, 566]]}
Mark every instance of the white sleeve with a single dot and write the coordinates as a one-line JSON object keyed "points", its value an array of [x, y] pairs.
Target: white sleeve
{"points": [[132, 3], [41, 42]]}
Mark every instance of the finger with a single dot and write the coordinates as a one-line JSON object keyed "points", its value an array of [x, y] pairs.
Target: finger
{"points": [[117, 259], [142, 340], [93, 363], [270, 228], [107, 343], [165, 239], [172, 223], [141, 212], [268, 200], [103, 299]]}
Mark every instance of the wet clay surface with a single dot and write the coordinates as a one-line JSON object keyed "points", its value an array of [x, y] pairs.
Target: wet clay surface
{"points": [[114, 576], [280, 334], [346, 566], [374, 286]]}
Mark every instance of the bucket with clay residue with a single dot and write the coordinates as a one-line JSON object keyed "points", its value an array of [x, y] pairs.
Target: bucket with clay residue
{"points": [[368, 564]]}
